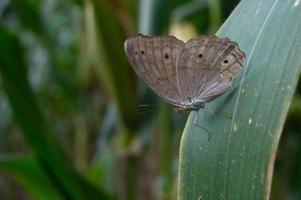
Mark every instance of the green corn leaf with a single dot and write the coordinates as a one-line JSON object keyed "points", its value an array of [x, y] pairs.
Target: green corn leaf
{"points": [[237, 163], [27, 172], [35, 128], [105, 39]]}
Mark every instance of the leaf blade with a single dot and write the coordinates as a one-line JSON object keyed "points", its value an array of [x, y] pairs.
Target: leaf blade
{"points": [[242, 149]]}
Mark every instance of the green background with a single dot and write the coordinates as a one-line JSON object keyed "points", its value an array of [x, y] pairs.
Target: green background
{"points": [[70, 122]]}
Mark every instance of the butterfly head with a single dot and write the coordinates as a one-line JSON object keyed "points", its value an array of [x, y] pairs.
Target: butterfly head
{"points": [[190, 107]]}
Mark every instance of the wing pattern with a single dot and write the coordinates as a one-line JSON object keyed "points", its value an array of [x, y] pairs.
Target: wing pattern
{"points": [[154, 60], [185, 74]]}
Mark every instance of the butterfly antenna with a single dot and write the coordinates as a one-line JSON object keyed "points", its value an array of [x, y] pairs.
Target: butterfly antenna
{"points": [[194, 122]]}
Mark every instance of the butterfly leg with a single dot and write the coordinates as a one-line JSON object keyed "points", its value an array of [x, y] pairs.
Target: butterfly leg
{"points": [[143, 109], [195, 123]]}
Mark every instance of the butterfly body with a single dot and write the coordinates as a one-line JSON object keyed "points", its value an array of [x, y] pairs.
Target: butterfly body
{"points": [[187, 75], [189, 107]]}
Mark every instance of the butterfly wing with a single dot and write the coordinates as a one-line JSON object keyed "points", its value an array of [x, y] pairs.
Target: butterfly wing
{"points": [[207, 67], [154, 60]]}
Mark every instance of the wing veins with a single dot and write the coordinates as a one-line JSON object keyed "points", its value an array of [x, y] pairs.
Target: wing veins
{"points": [[212, 69]]}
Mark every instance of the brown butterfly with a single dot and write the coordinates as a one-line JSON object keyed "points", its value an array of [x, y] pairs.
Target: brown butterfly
{"points": [[187, 75]]}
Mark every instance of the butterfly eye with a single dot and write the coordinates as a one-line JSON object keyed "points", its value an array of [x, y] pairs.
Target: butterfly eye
{"points": [[142, 52], [166, 56], [136, 52], [200, 55]]}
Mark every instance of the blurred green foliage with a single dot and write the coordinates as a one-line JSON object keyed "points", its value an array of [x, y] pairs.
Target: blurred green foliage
{"points": [[69, 126]]}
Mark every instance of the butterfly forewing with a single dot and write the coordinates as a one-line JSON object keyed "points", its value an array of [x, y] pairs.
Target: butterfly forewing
{"points": [[154, 60], [231, 66]]}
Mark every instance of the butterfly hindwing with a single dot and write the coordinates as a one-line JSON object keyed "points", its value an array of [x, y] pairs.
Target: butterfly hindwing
{"points": [[231, 65], [207, 67]]}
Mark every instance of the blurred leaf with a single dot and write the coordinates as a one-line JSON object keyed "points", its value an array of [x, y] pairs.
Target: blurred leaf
{"points": [[27, 11], [27, 172], [237, 163], [153, 16], [165, 149], [153, 20], [105, 37], [287, 174], [4, 5], [187, 9], [101, 171], [35, 128], [215, 15]]}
